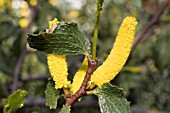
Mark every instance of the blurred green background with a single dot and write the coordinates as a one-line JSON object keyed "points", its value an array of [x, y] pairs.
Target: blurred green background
{"points": [[145, 77]]}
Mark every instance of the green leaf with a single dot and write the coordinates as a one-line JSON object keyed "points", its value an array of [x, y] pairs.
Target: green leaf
{"points": [[66, 39], [51, 95], [15, 101], [65, 109], [112, 100]]}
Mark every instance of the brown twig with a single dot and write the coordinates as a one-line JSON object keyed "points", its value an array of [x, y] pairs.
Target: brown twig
{"points": [[24, 51], [42, 77], [82, 91], [150, 24]]}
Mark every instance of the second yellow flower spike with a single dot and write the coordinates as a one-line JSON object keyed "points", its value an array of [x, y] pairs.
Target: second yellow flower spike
{"points": [[79, 77], [118, 55]]}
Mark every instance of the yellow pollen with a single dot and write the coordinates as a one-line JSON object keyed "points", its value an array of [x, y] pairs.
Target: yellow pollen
{"points": [[58, 69], [118, 55]]}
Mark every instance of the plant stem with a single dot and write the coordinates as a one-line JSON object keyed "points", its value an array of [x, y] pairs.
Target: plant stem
{"points": [[82, 91], [155, 20], [96, 27]]}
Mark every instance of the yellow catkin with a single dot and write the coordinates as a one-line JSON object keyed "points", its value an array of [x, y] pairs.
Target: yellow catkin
{"points": [[58, 69], [118, 55], [58, 66], [79, 77]]}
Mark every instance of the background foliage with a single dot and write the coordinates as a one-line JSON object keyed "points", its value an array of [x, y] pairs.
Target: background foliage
{"points": [[145, 78]]}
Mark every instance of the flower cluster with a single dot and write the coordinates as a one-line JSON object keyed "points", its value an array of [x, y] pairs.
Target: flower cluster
{"points": [[103, 74]]}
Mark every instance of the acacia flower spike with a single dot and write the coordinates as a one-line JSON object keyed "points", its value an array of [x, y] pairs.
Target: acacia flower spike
{"points": [[58, 66], [118, 55], [79, 77], [58, 69]]}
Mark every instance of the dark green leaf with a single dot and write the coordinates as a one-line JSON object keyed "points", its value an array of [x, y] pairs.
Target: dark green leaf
{"points": [[51, 95], [15, 100], [66, 39], [65, 109], [112, 100]]}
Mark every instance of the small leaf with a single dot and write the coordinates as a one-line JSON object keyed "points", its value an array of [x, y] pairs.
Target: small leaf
{"points": [[15, 100], [51, 95], [65, 109], [112, 100], [66, 39]]}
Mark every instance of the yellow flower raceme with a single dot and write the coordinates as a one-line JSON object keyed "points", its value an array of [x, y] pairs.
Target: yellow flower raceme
{"points": [[58, 66], [79, 77], [58, 69], [23, 22], [118, 55]]}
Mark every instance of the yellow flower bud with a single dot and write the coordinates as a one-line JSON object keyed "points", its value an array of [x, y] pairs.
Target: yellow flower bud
{"points": [[9, 5], [2, 3], [23, 22], [33, 2], [74, 14], [58, 69], [24, 4], [54, 21], [118, 55], [79, 77], [53, 2], [24, 9], [24, 12]]}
